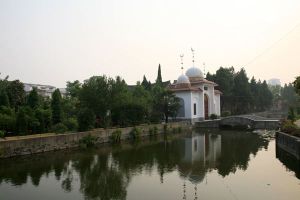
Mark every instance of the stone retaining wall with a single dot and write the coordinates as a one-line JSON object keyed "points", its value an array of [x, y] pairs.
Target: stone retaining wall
{"points": [[289, 143], [31, 144]]}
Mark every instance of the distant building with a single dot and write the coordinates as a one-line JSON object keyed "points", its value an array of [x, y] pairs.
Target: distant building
{"points": [[274, 82], [43, 90]]}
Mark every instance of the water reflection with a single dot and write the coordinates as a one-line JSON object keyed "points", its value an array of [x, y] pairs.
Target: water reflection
{"points": [[105, 173], [289, 161]]}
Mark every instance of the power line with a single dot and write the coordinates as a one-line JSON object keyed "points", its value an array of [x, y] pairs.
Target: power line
{"points": [[275, 43]]}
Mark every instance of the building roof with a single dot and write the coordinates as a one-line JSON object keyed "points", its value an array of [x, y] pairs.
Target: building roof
{"points": [[218, 92]]}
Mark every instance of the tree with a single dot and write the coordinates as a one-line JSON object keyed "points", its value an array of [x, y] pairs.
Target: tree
{"points": [[171, 105], [241, 92], [56, 107], [165, 103], [33, 99], [73, 88], [95, 95], [16, 93], [159, 78], [4, 101], [297, 85], [146, 84], [86, 119]]}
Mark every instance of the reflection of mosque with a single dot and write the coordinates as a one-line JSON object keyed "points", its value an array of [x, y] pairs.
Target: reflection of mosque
{"points": [[201, 153]]}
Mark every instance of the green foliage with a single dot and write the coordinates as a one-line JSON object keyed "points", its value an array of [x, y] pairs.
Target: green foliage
{"points": [[4, 101], [179, 129], [129, 114], [213, 116], [71, 124], [155, 130], [7, 119], [59, 128], [226, 113], [73, 89], [33, 99], [240, 96], [2, 134], [22, 121], [296, 84], [166, 129], [159, 78], [116, 136], [86, 119], [291, 114], [146, 84], [16, 93], [95, 95], [135, 133], [56, 107], [288, 126], [88, 141]]}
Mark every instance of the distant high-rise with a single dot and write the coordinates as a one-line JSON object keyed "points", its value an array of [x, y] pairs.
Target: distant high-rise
{"points": [[274, 81]]}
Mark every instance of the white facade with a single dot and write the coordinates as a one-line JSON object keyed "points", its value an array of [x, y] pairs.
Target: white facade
{"points": [[198, 96], [43, 90]]}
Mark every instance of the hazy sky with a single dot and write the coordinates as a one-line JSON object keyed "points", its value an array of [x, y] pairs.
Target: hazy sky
{"points": [[53, 41]]}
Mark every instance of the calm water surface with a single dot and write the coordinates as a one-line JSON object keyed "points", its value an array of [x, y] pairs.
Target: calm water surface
{"points": [[218, 165]]}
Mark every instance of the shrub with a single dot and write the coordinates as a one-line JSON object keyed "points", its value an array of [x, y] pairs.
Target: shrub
{"points": [[71, 124], [166, 130], [2, 134], [213, 116], [155, 130], [179, 129], [226, 113], [135, 133], [116, 136], [288, 126], [174, 130], [291, 114], [151, 131], [59, 128], [87, 141]]}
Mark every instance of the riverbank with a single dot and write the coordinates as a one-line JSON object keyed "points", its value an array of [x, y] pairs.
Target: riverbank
{"points": [[32, 144], [289, 143]]}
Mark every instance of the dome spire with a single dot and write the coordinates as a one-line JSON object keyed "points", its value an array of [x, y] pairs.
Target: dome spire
{"points": [[181, 58], [193, 53], [204, 69]]}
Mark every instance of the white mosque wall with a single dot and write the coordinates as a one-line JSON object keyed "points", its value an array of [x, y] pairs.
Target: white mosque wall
{"points": [[217, 104], [187, 98], [198, 100], [210, 92]]}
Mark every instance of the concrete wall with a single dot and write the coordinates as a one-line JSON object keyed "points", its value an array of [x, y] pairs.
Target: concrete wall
{"points": [[24, 145], [288, 143]]}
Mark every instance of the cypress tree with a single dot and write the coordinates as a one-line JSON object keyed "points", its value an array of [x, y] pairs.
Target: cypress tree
{"points": [[159, 79], [56, 107]]}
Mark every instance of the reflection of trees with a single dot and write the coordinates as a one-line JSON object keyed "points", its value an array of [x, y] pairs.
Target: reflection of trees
{"points": [[106, 176], [289, 161], [236, 150]]}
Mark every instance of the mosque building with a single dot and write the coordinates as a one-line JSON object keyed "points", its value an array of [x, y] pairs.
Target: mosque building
{"points": [[198, 96]]}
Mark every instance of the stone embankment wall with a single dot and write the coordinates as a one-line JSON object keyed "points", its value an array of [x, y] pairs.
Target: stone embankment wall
{"points": [[289, 143], [25, 145]]}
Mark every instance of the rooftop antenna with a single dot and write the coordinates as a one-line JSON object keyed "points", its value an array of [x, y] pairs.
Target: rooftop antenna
{"points": [[204, 69], [193, 52], [181, 58]]}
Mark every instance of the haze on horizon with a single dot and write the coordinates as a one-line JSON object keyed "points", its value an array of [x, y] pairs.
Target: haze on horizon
{"points": [[54, 41]]}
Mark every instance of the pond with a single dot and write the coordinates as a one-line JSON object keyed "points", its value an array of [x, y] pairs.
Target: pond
{"points": [[199, 165]]}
